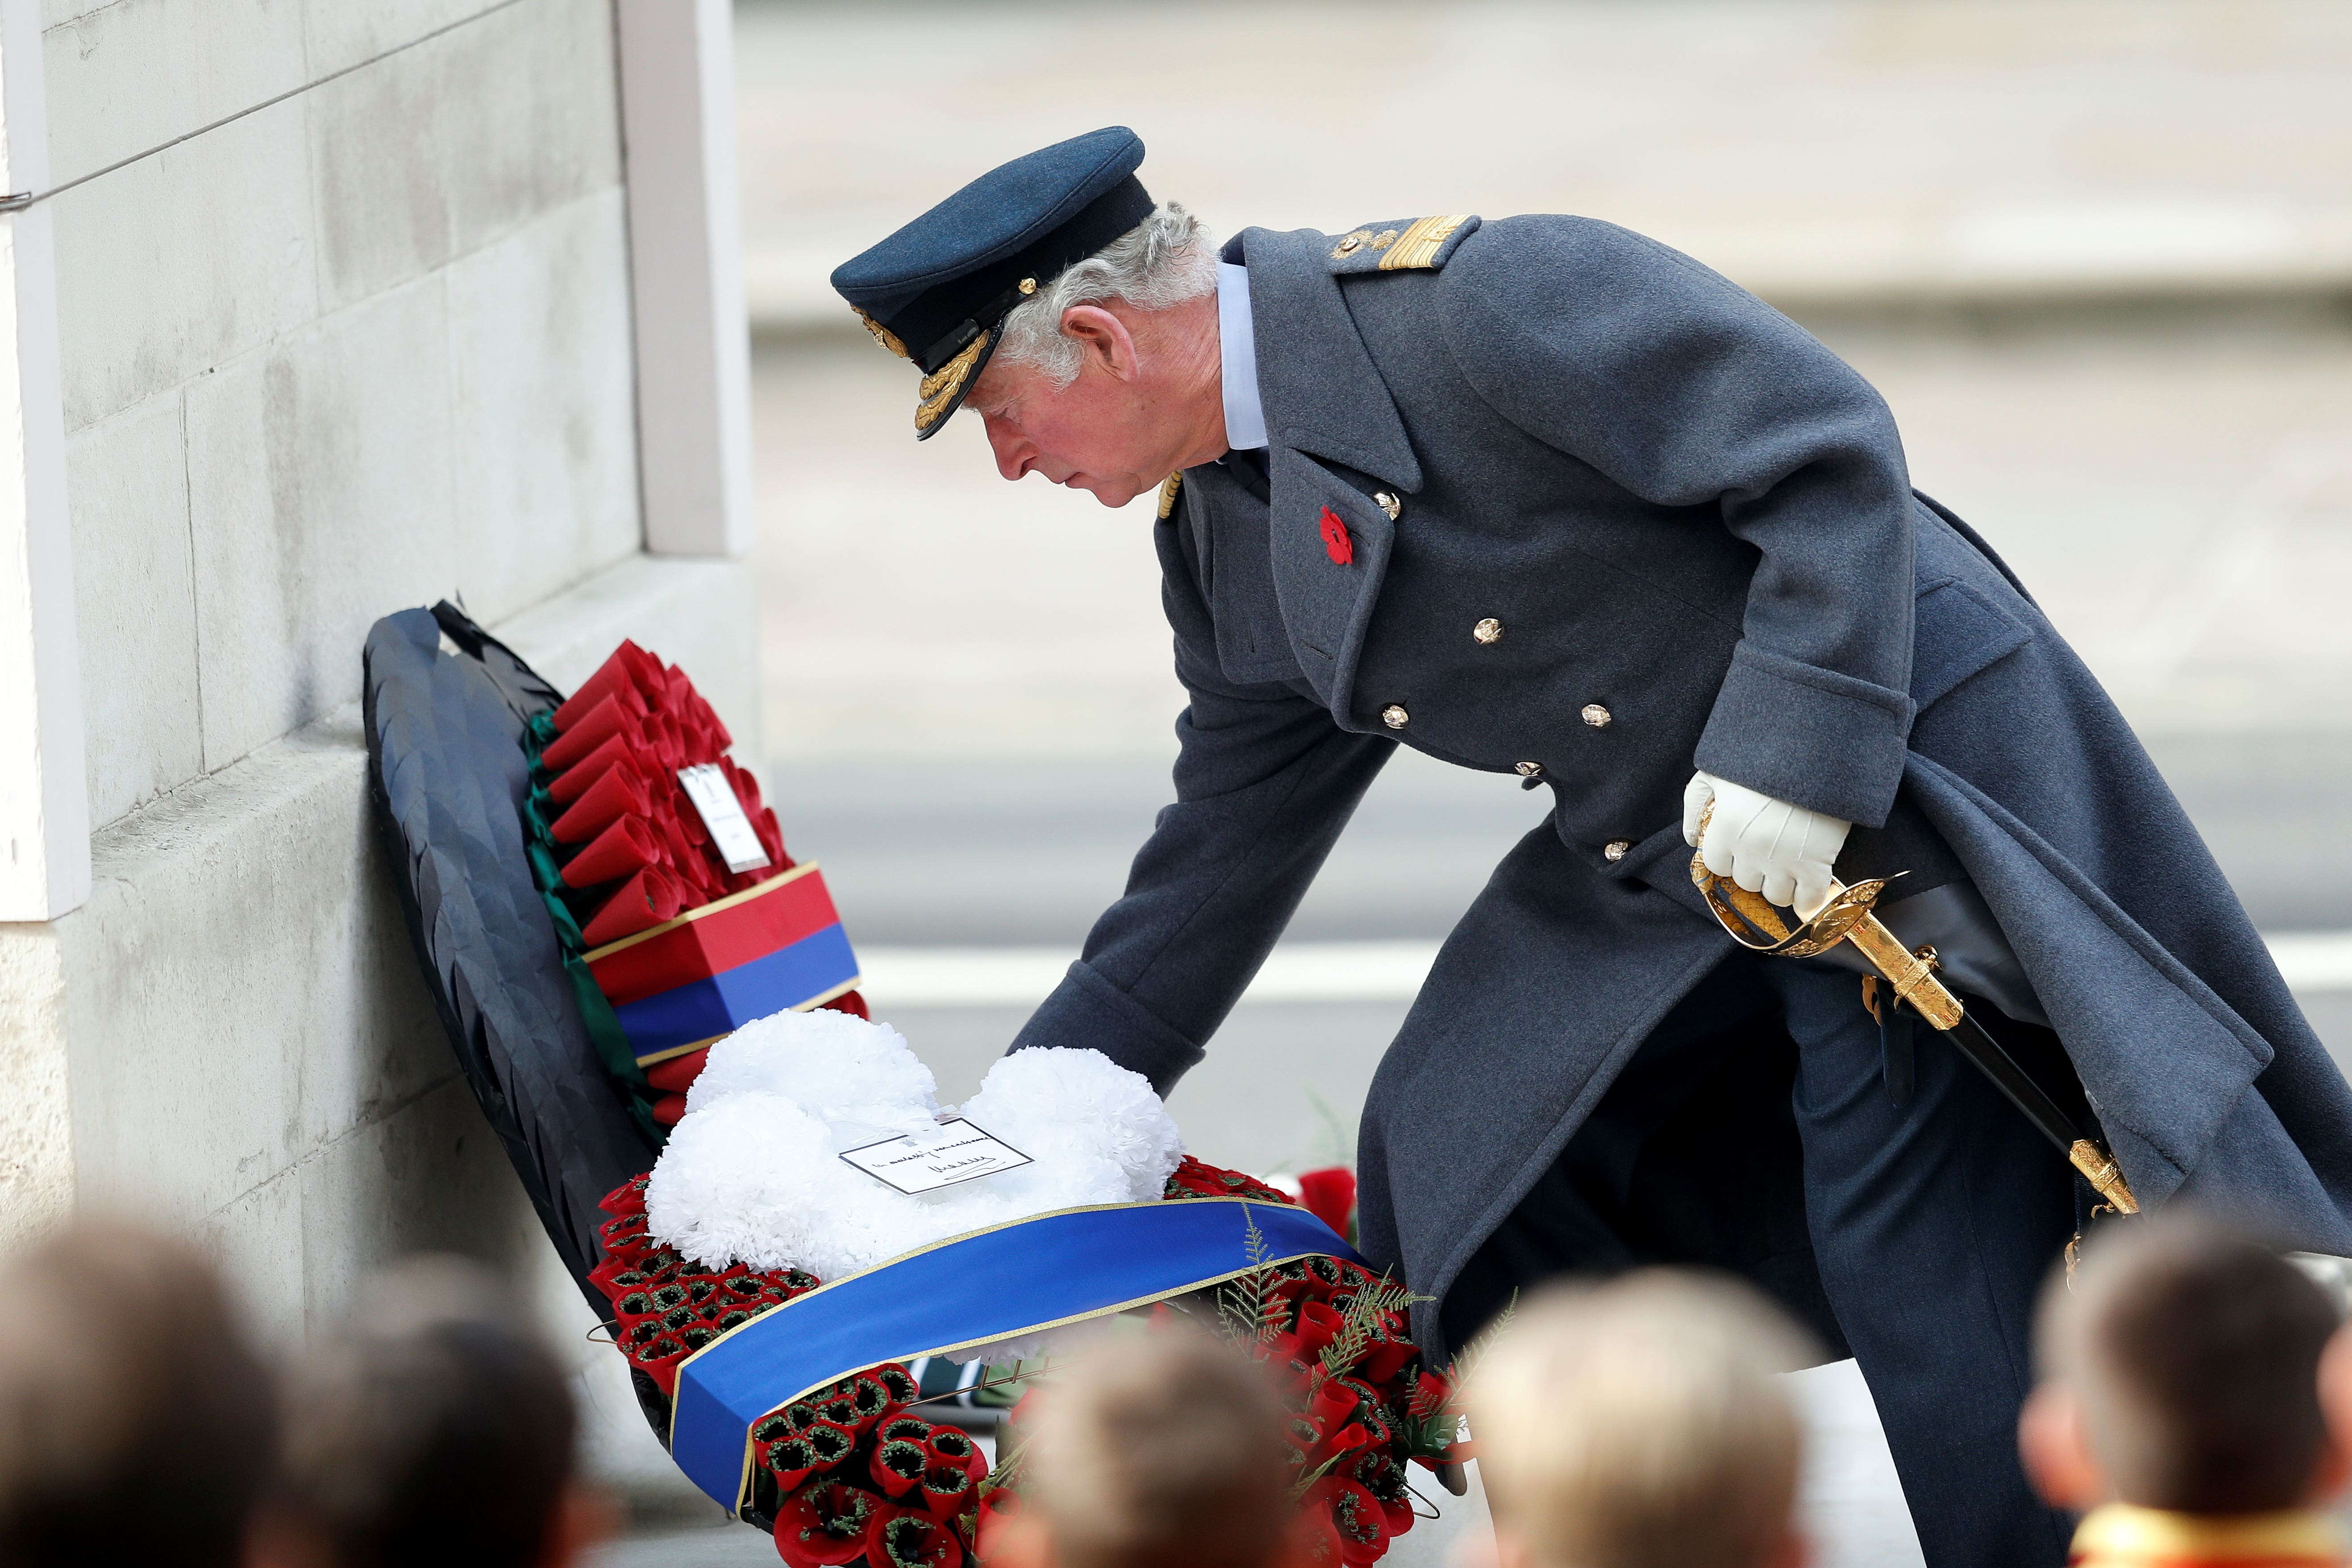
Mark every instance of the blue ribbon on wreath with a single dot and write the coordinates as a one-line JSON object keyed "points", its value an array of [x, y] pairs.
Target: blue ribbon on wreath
{"points": [[1006, 1282]]}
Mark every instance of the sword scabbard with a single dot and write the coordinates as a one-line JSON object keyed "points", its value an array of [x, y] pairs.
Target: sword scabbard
{"points": [[1846, 916]]}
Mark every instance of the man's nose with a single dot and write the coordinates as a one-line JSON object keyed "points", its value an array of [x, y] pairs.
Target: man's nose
{"points": [[1011, 449]]}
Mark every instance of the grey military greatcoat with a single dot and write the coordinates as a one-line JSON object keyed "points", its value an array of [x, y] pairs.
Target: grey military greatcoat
{"points": [[1688, 534]]}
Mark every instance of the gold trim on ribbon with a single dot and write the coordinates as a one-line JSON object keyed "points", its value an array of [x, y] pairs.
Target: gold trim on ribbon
{"points": [[712, 908], [743, 1482], [1418, 245], [939, 388], [882, 334]]}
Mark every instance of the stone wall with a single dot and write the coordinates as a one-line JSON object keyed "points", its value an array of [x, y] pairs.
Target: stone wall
{"points": [[344, 295]]}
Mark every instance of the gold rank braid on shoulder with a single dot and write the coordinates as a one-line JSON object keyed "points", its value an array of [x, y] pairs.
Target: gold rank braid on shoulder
{"points": [[940, 387], [1168, 489], [1418, 245], [882, 334]]}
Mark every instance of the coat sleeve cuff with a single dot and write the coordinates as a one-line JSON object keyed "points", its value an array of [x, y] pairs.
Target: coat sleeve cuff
{"points": [[1811, 736], [1087, 1011]]}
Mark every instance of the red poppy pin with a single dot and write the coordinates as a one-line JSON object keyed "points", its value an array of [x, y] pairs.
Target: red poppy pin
{"points": [[1336, 543]]}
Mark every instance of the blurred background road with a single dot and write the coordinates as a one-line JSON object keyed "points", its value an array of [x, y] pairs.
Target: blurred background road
{"points": [[2098, 254]]}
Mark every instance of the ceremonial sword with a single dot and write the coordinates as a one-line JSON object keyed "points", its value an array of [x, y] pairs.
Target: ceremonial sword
{"points": [[1755, 924]]}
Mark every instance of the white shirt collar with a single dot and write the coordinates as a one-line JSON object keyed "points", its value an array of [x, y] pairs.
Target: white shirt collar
{"points": [[1245, 413]]}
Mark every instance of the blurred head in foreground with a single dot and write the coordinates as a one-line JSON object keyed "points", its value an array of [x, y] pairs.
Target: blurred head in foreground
{"points": [[1639, 1425], [432, 1426], [1152, 1451], [134, 1417], [2182, 1372]]}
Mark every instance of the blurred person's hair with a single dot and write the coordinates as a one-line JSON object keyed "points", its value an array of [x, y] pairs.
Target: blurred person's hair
{"points": [[135, 1419], [431, 1425], [1159, 1450], [2193, 1352], [1164, 261], [1639, 1424]]}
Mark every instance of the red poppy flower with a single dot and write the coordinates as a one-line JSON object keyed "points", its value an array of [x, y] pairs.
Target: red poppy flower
{"points": [[901, 1539], [825, 1525], [1329, 1194], [946, 1488], [950, 1446], [899, 1466], [898, 1382], [1357, 1515], [792, 1461], [1336, 544]]}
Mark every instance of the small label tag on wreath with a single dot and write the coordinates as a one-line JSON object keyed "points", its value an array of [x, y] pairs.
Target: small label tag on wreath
{"points": [[955, 1151], [723, 814]]}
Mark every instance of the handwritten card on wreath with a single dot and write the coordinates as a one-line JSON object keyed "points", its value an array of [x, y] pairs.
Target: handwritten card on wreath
{"points": [[955, 1151]]}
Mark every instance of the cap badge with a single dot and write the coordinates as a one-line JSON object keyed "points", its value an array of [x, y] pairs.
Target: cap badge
{"points": [[1336, 544]]}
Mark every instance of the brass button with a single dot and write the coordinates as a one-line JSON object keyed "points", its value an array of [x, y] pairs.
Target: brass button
{"points": [[1352, 243], [1596, 715], [1616, 848], [1395, 717], [1388, 503], [1028, 285], [1489, 630], [1530, 770]]}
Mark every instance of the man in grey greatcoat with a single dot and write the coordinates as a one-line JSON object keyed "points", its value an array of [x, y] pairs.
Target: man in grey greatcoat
{"points": [[1542, 497]]}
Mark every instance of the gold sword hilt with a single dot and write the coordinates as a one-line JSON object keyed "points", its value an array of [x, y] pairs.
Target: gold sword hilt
{"points": [[1848, 915]]}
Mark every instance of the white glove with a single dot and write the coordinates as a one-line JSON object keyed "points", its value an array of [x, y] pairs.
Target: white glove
{"points": [[1763, 845]]}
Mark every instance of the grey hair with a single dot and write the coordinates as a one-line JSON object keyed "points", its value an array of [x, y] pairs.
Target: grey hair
{"points": [[1166, 259]]}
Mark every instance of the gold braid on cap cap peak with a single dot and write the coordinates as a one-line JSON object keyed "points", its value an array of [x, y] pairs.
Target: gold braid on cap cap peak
{"points": [[882, 334], [940, 387]]}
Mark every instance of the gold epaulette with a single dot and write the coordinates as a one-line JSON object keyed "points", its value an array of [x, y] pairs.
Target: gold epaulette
{"points": [[1420, 246], [1168, 489]]}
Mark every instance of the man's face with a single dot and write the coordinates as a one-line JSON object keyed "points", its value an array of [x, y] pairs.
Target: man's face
{"points": [[1132, 415]]}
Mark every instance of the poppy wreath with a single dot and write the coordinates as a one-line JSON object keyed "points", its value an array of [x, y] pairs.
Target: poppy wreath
{"points": [[849, 1473], [617, 848]]}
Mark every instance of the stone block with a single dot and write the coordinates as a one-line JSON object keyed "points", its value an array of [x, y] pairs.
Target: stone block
{"points": [[500, 121], [319, 499], [37, 1174], [342, 34], [179, 262], [545, 482], [241, 994], [134, 605], [133, 75]]}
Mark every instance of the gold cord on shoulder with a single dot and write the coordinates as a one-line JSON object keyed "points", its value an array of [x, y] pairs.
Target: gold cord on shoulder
{"points": [[1418, 245], [1169, 487]]}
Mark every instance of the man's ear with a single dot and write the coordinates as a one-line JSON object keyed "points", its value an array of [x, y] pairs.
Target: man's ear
{"points": [[1103, 338], [2056, 1448]]}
